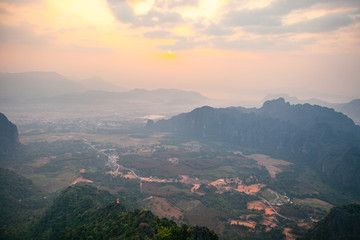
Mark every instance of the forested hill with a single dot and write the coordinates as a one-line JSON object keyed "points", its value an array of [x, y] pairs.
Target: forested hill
{"points": [[318, 136], [79, 212], [8, 135], [341, 223], [19, 201], [84, 212]]}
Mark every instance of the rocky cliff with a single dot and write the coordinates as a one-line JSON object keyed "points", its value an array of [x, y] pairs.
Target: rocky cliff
{"points": [[318, 136], [8, 135]]}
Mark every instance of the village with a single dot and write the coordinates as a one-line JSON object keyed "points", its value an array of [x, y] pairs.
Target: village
{"points": [[266, 204]]}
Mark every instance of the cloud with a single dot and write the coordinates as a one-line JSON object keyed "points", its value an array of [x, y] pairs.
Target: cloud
{"points": [[272, 14], [125, 14], [86, 50], [3, 11], [258, 44], [156, 18], [234, 17], [282, 7], [161, 34], [19, 1], [218, 30], [166, 4], [184, 43], [121, 10], [250, 18], [329, 22], [21, 35], [181, 3]]}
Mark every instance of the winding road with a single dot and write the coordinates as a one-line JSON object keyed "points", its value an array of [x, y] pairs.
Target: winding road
{"points": [[271, 206]]}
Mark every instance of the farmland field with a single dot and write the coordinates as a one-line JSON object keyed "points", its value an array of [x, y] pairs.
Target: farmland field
{"points": [[192, 182]]}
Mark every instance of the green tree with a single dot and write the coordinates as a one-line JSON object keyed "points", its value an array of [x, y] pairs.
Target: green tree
{"points": [[164, 233]]}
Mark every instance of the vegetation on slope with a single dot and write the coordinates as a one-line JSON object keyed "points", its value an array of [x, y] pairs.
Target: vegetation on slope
{"points": [[84, 212], [341, 223], [316, 136], [19, 201]]}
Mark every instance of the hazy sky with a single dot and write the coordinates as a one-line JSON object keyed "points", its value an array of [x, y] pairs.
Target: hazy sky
{"points": [[221, 48]]}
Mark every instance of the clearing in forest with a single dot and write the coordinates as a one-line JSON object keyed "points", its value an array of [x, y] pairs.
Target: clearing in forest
{"points": [[162, 208], [274, 166]]}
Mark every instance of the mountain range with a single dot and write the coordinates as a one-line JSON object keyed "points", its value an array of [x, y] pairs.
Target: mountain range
{"points": [[30, 85], [351, 109], [319, 137], [53, 87], [141, 96], [49, 92], [96, 83], [27, 85], [50, 88]]}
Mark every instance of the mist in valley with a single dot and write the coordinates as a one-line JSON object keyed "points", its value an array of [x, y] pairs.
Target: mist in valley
{"points": [[179, 119]]}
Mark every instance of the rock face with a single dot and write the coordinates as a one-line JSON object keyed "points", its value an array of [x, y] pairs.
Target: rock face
{"points": [[9, 139], [318, 136], [341, 223], [351, 109]]}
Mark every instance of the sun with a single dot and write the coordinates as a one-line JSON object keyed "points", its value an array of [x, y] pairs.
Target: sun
{"points": [[169, 54]]}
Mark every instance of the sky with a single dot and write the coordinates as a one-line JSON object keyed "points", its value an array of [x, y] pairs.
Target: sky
{"points": [[229, 49]]}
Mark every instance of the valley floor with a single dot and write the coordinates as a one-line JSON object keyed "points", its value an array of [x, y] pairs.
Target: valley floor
{"points": [[238, 194]]}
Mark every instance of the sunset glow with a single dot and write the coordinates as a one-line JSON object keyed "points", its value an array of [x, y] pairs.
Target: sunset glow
{"points": [[231, 47]]}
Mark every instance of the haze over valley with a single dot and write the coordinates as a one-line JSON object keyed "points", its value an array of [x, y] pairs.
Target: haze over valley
{"points": [[268, 172], [175, 119]]}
